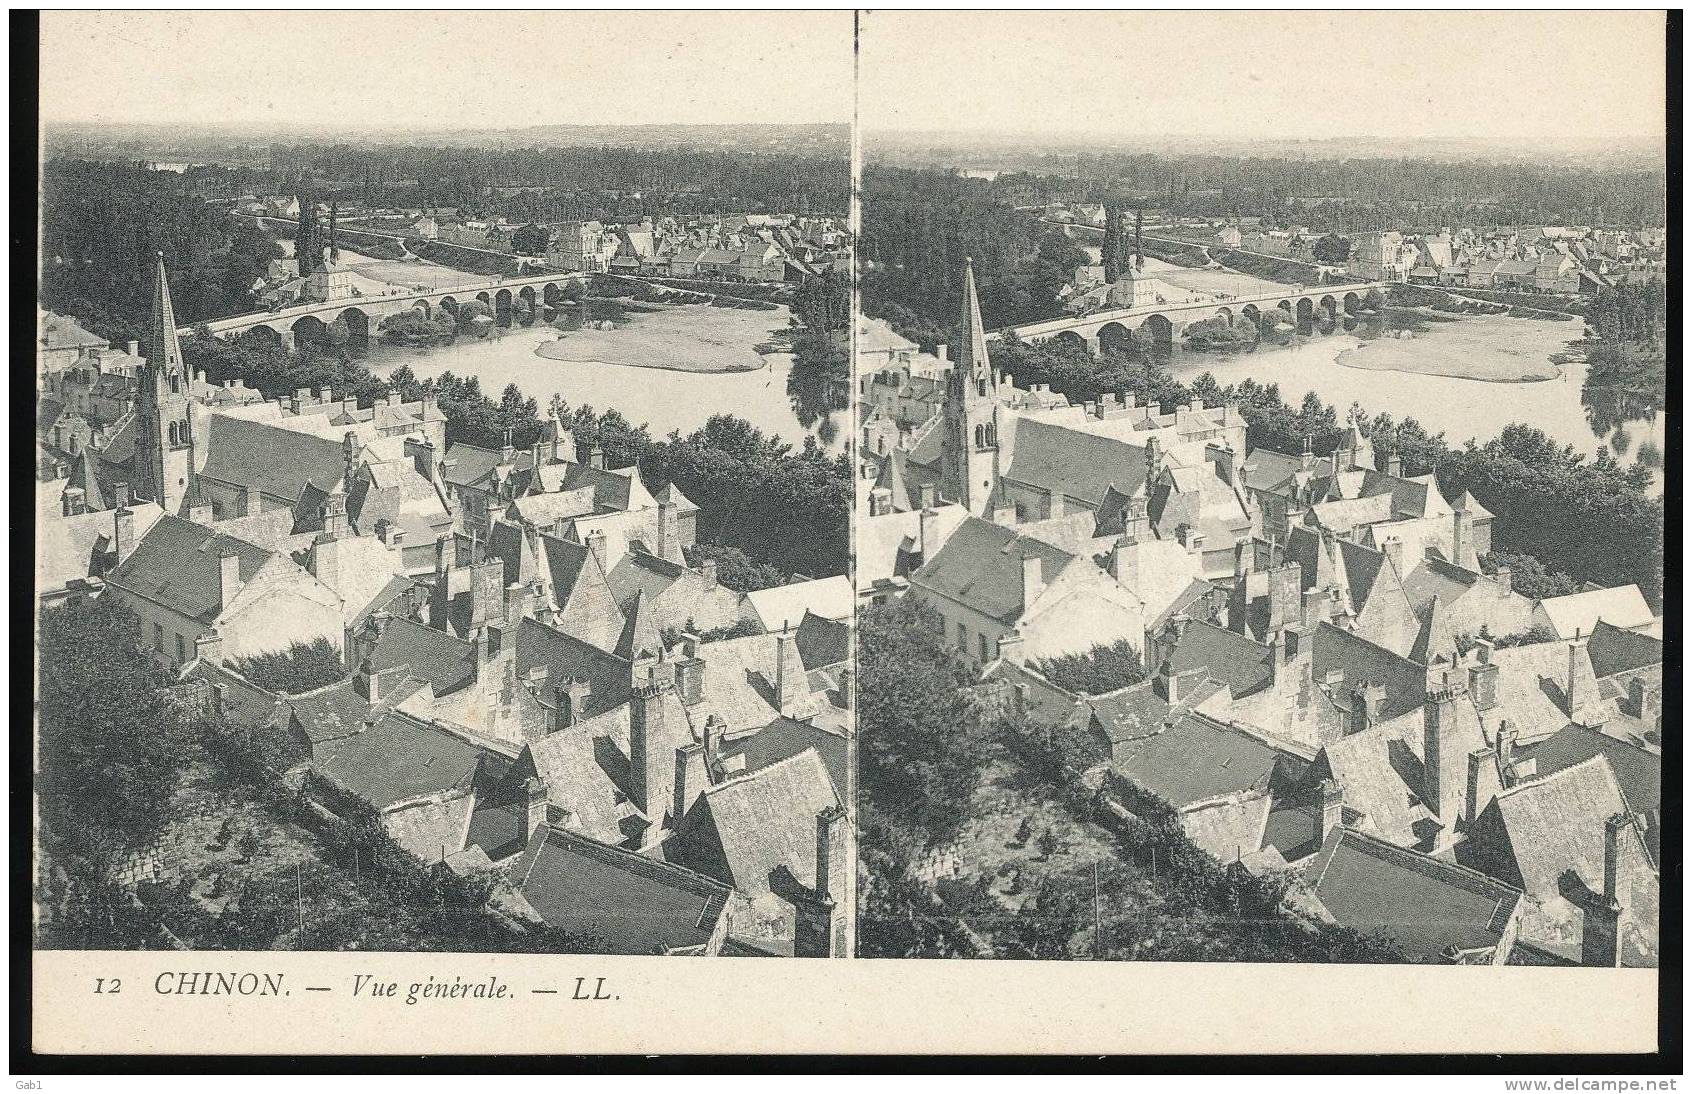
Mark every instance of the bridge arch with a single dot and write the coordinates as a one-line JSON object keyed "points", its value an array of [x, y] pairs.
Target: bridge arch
{"points": [[1328, 304], [503, 312], [1115, 336], [309, 328], [1353, 303], [357, 324], [551, 294], [1306, 310], [1070, 340], [422, 305], [448, 305], [1158, 329], [1251, 312], [261, 332], [1226, 315]]}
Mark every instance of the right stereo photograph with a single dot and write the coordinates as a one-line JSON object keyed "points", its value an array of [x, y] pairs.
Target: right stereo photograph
{"points": [[1260, 487]]}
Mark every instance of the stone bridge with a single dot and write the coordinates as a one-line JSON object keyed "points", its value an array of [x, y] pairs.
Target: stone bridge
{"points": [[1169, 311], [509, 299]]}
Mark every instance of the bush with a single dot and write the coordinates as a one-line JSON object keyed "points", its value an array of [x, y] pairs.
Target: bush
{"points": [[303, 666]]}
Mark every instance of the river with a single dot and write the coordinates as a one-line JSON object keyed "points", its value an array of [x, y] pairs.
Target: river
{"points": [[664, 399], [1358, 366]]}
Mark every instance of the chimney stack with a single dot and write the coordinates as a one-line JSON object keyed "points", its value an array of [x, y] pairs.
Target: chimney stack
{"points": [[443, 551], [1483, 676], [790, 683], [536, 803], [1033, 580], [1442, 755], [1332, 804], [228, 576], [1581, 687], [596, 546], [690, 779], [708, 570]]}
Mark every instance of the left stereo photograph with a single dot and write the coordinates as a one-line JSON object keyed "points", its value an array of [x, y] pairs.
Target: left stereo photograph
{"points": [[442, 488]]}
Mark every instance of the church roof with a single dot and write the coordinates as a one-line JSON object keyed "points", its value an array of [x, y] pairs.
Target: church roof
{"points": [[1079, 465], [279, 462]]}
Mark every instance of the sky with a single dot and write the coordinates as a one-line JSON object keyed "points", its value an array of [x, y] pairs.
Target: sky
{"points": [[441, 69], [1558, 77]]}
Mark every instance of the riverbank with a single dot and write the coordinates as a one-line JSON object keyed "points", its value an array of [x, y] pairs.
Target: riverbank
{"points": [[679, 338]]}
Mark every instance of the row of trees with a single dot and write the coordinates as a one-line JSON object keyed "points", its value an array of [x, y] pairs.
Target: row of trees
{"points": [[1355, 192], [1586, 517]]}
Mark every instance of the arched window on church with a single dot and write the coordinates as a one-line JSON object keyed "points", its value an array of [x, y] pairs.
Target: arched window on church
{"points": [[175, 384], [992, 439], [175, 435], [980, 436]]}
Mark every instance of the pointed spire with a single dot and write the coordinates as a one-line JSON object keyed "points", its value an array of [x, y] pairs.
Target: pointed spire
{"points": [[85, 474], [973, 362], [163, 349]]}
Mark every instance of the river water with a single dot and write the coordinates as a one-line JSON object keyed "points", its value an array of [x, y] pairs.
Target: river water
{"points": [[1336, 368], [662, 398]]}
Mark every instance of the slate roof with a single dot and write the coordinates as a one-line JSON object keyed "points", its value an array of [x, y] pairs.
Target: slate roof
{"points": [[1637, 772], [1556, 823], [1614, 650], [763, 821], [878, 539], [178, 564], [1266, 469], [823, 642], [68, 548], [280, 462], [1362, 661], [1423, 905], [446, 662], [586, 770], [627, 903], [783, 739], [398, 759], [500, 828], [1075, 464], [981, 566], [1532, 687], [1195, 760], [569, 658], [785, 606], [338, 710], [1225, 656], [740, 678]]}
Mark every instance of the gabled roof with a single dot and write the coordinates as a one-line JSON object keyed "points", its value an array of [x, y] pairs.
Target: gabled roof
{"points": [[785, 606], [981, 566], [442, 660], [585, 768], [823, 642], [624, 902], [279, 462], [1556, 824], [1195, 759], [1580, 613], [1075, 464], [68, 548], [178, 564], [783, 739], [1225, 656], [1423, 905], [763, 821], [587, 606], [398, 759], [1637, 772], [569, 658], [1614, 650]]}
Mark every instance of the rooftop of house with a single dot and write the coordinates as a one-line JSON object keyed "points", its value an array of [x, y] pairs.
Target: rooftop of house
{"points": [[1556, 824], [69, 548], [1580, 613], [783, 739], [619, 901], [760, 822], [436, 657], [1614, 650], [1224, 656], [1425, 906], [1637, 772], [178, 565], [878, 540], [981, 566], [566, 658], [1192, 759], [399, 759], [1076, 464], [823, 642], [784, 606]]}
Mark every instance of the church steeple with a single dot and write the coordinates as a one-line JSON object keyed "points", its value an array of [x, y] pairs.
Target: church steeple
{"points": [[973, 364], [164, 437], [163, 349]]}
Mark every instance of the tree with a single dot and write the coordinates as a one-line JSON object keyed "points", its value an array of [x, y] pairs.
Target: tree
{"points": [[1110, 254], [1101, 669], [530, 239], [1332, 249], [112, 742], [303, 666]]}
